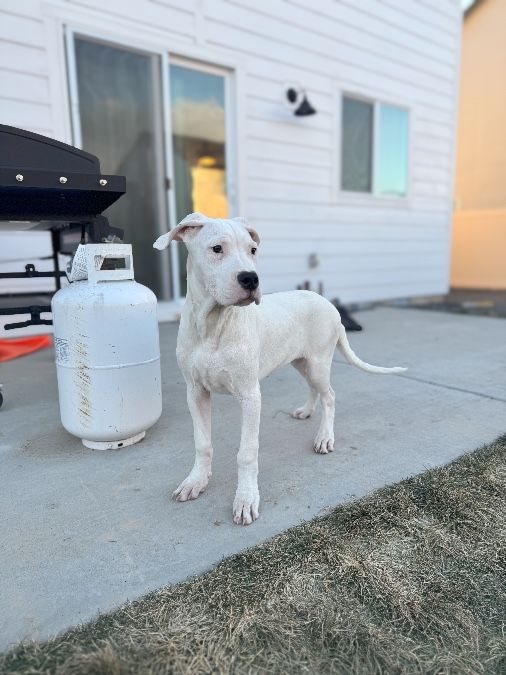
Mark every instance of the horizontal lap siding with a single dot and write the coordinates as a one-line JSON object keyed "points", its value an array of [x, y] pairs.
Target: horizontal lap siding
{"points": [[175, 18], [401, 51], [24, 102], [18, 248]]}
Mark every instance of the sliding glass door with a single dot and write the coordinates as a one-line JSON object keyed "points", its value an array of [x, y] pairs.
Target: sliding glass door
{"points": [[165, 128]]}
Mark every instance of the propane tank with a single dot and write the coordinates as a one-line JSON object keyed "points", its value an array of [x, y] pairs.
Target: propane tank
{"points": [[107, 350]]}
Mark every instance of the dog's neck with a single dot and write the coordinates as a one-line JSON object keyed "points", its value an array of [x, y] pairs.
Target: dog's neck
{"points": [[205, 315]]}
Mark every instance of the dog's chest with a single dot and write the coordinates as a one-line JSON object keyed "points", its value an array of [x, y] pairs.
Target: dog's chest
{"points": [[215, 370]]}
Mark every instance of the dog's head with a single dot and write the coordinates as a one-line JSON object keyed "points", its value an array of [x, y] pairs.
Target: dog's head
{"points": [[222, 253]]}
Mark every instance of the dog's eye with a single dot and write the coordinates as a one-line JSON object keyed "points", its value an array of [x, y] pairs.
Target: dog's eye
{"points": [[217, 248], [253, 251]]}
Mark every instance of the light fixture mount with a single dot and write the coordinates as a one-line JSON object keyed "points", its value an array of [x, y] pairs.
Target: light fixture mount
{"points": [[298, 101]]}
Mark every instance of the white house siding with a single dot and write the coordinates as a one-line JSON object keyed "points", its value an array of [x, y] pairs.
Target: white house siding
{"points": [[404, 52], [24, 102]]}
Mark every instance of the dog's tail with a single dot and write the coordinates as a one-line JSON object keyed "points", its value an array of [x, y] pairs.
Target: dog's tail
{"points": [[344, 347]]}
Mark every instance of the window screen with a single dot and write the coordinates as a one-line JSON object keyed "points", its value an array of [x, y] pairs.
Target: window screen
{"points": [[357, 126]]}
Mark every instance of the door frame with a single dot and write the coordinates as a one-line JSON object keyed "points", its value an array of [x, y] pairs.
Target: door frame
{"points": [[189, 58]]}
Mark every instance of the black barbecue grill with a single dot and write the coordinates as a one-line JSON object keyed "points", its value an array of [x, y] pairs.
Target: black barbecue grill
{"points": [[58, 188]]}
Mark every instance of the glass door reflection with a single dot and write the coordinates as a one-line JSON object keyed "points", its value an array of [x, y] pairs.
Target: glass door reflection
{"points": [[198, 118], [120, 120]]}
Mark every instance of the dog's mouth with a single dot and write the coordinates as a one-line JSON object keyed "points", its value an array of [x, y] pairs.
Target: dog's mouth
{"points": [[251, 297]]}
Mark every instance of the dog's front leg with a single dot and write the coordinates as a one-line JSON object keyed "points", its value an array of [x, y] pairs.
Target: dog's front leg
{"points": [[247, 499], [199, 403]]}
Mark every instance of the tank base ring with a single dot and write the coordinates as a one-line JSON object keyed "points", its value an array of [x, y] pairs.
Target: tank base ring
{"points": [[114, 445]]}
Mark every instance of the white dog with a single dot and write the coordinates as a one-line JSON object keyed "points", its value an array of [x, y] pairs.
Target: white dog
{"points": [[228, 342]]}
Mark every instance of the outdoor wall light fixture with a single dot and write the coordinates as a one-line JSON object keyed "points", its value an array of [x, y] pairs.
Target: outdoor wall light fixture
{"points": [[298, 100]]}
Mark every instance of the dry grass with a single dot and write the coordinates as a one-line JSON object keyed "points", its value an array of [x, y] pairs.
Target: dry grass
{"points": [[408, 580]]}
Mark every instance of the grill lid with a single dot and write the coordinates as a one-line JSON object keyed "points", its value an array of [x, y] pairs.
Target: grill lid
{"points": [[44, 179]]}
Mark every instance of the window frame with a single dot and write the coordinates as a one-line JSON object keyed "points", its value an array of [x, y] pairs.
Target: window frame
{"points": [[352, 196]]}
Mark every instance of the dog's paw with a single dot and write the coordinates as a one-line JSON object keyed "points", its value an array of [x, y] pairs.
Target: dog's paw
{"points": [[323, 443], [191, 487], [245, 508], [301, 413]]}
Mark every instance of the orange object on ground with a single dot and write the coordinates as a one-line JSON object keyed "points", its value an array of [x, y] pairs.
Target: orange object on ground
{"points": [[11, 349]]}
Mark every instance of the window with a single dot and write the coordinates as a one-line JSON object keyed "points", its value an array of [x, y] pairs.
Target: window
{"points": [[374, 148]]}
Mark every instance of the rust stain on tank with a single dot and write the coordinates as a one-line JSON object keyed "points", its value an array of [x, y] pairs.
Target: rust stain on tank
{"points": [[83, 381]]}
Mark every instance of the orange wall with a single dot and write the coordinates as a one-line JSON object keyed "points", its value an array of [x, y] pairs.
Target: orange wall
{"points": [[479, 227], [479, 249]]}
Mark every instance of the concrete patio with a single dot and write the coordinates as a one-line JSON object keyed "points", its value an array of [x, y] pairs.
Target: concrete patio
{"points": [[82, 531]]}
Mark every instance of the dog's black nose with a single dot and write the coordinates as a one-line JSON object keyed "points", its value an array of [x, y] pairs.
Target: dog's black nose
{"points": [[248, 280]]}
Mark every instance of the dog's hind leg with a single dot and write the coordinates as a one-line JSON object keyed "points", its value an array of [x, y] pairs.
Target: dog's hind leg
{"points": [[199, 403], [309, 406], [318, 375]]}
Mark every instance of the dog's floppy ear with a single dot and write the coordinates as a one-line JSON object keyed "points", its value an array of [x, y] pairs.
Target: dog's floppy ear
{"points": [[188, 227], [253, 233]]}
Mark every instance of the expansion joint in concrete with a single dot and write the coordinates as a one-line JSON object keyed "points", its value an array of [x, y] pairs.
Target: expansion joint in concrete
{"points": [[437, 384], [449, 386]]}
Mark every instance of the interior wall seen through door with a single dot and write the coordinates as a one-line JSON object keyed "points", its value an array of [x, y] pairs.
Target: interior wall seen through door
{"points": [[198, 142]]}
